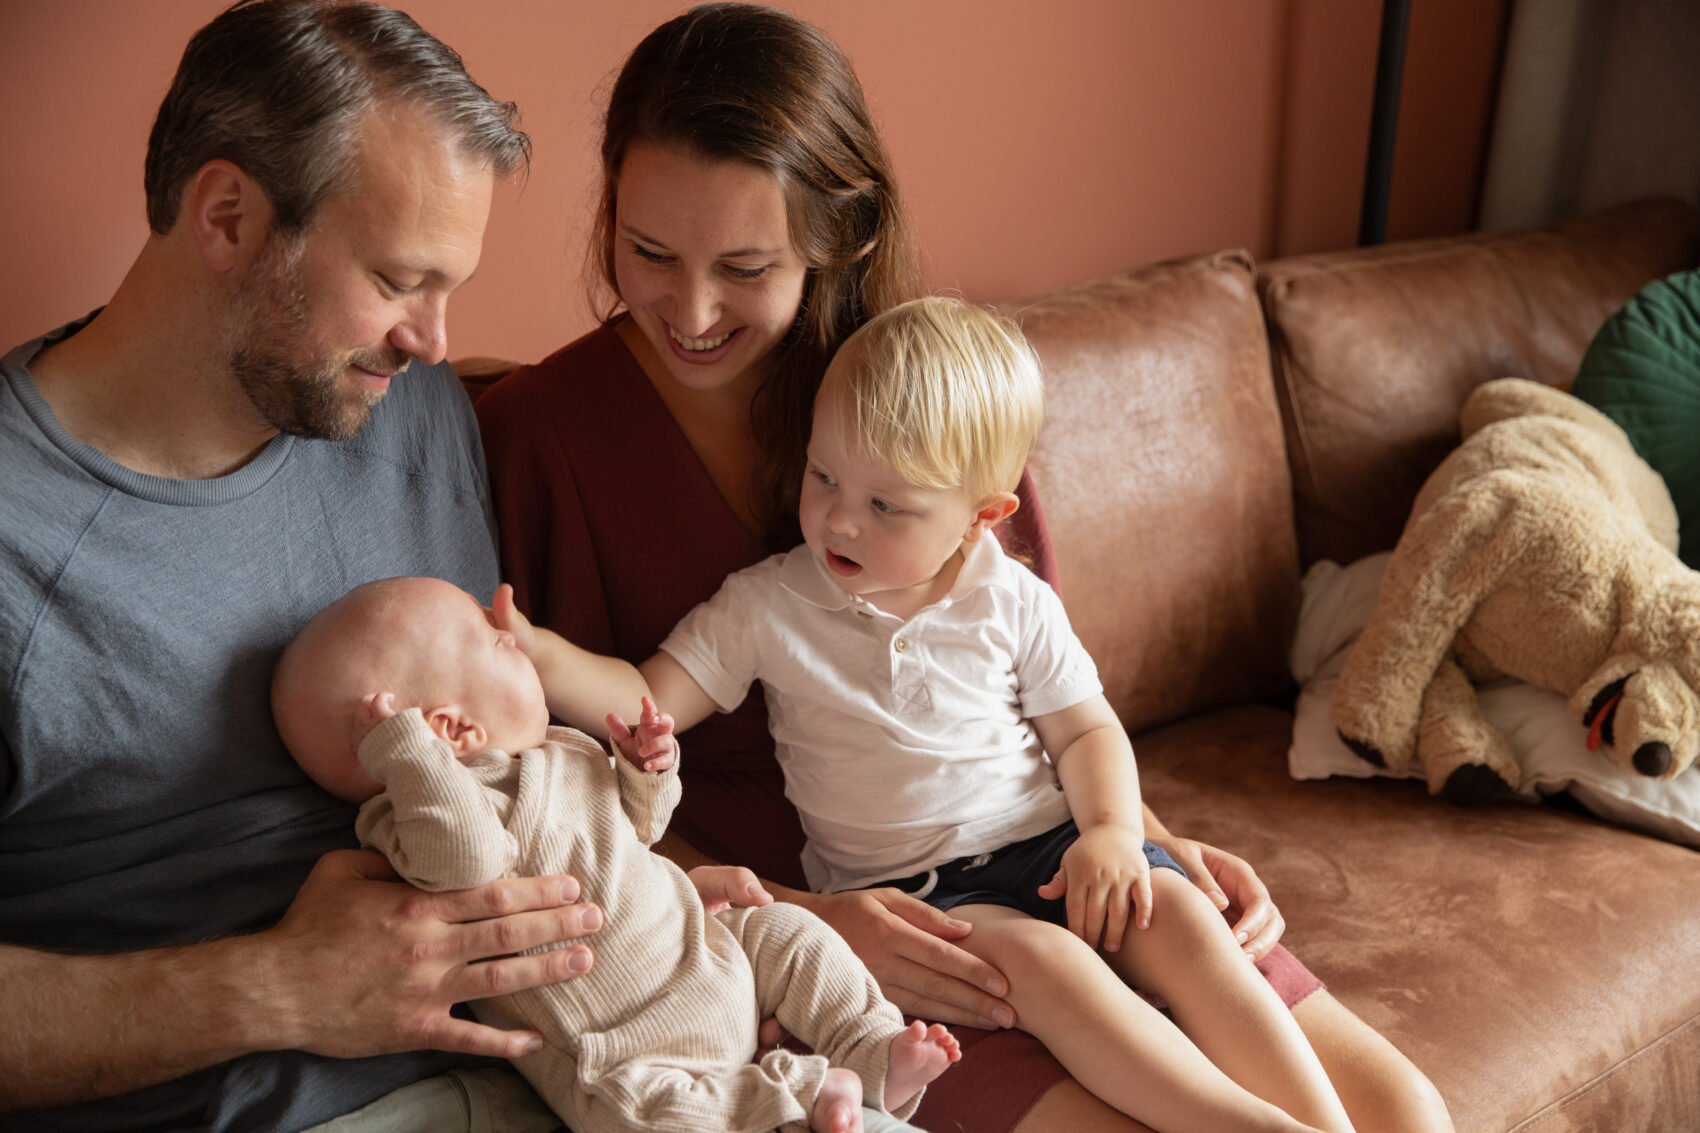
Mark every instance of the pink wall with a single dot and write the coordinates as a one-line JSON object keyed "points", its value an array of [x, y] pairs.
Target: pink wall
{"points": [[1038, 143]]}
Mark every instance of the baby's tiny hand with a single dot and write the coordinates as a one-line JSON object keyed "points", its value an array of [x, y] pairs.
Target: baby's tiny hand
{"points": [[375, 708], [650, 746]]}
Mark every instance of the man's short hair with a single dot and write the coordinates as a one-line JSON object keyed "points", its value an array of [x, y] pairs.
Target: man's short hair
{"points": [[280, 89]]}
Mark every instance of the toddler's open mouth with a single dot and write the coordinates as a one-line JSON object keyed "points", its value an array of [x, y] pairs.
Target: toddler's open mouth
{"points": [[841, 565]]}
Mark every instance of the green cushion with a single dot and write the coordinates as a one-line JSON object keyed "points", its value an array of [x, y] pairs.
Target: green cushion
{"points": [[1643, 371]]}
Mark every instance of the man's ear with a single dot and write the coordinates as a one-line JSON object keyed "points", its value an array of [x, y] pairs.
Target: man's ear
{"points": [[227, 214], [993, 510], [455, 728]]}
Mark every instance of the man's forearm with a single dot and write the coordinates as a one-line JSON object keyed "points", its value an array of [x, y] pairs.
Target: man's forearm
{"points": [[75, 1028]]}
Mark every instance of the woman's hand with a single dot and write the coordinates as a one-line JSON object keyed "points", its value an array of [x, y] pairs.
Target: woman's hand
{"points": [[907, 945], [1235, 888], [722, 887]]}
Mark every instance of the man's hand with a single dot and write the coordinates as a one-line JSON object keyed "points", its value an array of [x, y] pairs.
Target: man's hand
{"points": [[722, 887], [1105, 878], [363, 964], [649, 746], [906, 944]]}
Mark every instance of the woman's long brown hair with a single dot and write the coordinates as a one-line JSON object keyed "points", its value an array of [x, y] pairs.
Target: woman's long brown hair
{"points": [[743, 82]]}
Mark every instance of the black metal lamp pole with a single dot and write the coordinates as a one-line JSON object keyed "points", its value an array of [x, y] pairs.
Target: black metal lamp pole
{"points": [[1384, 121]]}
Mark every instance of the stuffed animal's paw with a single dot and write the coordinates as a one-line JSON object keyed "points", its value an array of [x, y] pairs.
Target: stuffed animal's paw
{"points": [[1476, 784], [1363, 750]]}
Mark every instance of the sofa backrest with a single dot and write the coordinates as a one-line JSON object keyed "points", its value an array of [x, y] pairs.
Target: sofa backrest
{"points": [[1164, 479], [1374, 350]]}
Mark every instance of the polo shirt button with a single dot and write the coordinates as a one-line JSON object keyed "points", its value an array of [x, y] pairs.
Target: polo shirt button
{"points": [[900, 645]]}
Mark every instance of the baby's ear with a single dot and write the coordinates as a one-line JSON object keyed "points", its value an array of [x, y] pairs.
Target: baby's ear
{"points": [[455, 728], [993, 510]]}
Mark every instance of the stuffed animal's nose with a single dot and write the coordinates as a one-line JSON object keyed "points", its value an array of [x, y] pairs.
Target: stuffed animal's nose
{"points": [[1652, 759]]}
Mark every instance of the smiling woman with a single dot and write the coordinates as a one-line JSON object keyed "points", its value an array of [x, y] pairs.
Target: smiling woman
{"points": [[704, 263], [637, 468]]}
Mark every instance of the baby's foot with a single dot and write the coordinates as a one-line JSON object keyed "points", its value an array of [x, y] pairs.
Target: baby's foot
{"points": [[838, 1106], [918, 1055]]}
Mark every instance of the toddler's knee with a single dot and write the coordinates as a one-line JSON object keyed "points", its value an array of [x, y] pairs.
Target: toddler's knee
{"points": [[1184, 904], [1038, 948]]}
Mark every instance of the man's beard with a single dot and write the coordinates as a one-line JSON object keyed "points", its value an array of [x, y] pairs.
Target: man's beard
{"points": [[268, 331]]}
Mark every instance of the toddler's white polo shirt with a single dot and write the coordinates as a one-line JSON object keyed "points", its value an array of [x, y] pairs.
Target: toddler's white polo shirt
{"points": [[905, 744]]}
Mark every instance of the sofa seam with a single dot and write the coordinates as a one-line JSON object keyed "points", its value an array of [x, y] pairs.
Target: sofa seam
{"points": [[1599, 1079]]}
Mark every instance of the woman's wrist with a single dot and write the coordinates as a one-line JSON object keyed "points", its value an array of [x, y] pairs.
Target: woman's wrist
{"points": [[803, 898]]}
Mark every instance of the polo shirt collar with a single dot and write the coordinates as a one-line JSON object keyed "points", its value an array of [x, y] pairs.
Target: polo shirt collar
{"points": [[983, 564]]}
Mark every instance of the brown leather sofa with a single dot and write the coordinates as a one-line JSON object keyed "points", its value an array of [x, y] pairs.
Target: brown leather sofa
{"points": [[1214, 427]]}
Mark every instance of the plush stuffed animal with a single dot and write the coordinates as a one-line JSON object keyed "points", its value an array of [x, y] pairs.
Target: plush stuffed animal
{"points": [[1542, 548]]}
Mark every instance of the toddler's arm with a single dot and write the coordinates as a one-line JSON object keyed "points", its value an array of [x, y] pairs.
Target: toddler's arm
{"points": [[580, 685], [1104, 875], [434, 821]]}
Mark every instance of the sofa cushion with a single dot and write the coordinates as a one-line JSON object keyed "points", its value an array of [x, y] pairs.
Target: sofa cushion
{"points": [[1163, 476], [1375, 349], [1537, 964], [1643, 371]]}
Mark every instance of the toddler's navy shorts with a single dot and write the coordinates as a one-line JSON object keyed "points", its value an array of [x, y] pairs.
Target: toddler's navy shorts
{"points": [[1010, 877]]}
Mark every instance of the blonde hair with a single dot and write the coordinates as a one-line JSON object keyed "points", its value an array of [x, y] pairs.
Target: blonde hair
{"points": [[944, 393]]}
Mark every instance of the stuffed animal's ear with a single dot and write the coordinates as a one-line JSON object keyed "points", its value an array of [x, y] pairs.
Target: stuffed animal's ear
{"points": [[1658, 722], [1644, 712], [1593, 696]]}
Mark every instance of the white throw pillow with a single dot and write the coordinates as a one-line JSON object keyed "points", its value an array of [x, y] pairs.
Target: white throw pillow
{"points": [[1536, 723]]}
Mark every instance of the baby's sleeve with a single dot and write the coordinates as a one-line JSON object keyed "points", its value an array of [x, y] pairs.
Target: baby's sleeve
{"points": [[434, 821], [648, 797]]}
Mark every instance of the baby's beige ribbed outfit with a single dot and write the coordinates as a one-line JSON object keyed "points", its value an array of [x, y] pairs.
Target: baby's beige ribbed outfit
{"points": [[659, 1034]]}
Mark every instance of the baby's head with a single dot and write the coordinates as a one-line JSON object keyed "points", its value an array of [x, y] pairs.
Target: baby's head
{"points": [[922, 426], [430, 644]]}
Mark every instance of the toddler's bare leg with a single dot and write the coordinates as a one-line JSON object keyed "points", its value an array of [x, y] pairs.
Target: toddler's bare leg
{"points": [[1190, 958], [1112, 1041], [838, 1106]]}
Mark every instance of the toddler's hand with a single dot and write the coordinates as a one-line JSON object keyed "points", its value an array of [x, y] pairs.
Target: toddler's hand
{"points": [[1106, 879], [649, 746], [507, 618], [724, 887], [375, 708]]}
